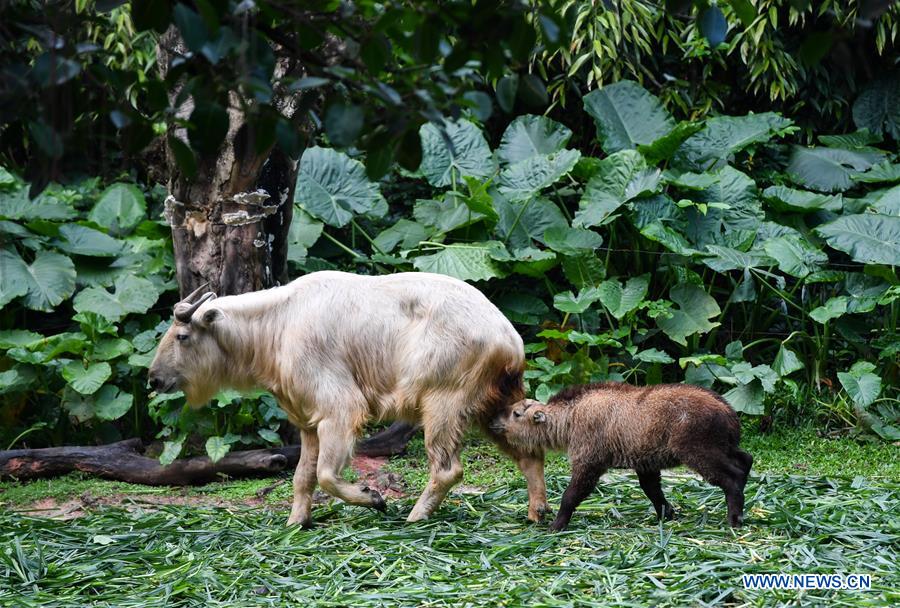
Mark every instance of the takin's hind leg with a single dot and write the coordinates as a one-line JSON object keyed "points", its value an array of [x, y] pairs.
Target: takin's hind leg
{"points": [[650, 484], [305, 479], [335, 446], [720, 470], [443, 442]]}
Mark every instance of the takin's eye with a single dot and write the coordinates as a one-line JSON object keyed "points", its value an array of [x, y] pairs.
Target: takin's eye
{"points": [[182, 337], [517, 414]]}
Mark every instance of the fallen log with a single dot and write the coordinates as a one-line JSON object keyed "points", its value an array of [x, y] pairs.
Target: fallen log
{"points": [[388, 442], [124, 461]]}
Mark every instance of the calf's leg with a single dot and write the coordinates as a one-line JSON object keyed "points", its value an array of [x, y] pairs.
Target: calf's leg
{"points": [[305, 479], [650, 484], [335, 446], [719, 470], [584, 480]]}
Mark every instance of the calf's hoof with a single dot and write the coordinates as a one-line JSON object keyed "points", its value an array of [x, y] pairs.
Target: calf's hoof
{"points": [[304, 523], [668, 513], [558, 526]]}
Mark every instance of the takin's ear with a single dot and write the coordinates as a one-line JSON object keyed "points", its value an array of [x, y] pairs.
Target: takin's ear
{"points": [[539, 417], [209, 317]]}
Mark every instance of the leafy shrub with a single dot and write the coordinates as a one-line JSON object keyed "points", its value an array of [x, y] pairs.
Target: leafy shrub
{"points": [[711, 252]]}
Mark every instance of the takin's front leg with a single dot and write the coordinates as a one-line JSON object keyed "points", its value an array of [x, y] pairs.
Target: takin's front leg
{"points": [[584, 480], [532, 468], [335, 446], [305, 479], [443, 446]]}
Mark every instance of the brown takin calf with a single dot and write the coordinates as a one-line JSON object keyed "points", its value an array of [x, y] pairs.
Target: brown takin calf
{"points": [[613, 425]]}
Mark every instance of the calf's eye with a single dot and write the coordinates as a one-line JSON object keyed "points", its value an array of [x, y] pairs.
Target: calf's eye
{"points": [[517, 414], [181, 337]]}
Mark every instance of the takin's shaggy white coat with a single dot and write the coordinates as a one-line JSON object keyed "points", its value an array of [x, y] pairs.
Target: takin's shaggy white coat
{"points": [[339, 350]]}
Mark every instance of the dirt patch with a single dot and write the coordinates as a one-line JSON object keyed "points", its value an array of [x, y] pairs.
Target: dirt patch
{"points": [[371, 473]]}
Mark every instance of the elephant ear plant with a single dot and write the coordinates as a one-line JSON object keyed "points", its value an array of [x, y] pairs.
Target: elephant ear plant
{"points": [[707, 251]]}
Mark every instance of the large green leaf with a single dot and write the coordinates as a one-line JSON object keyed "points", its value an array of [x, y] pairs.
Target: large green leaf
{"points": [[333, 187], [216, 448], [120, 209], [46, 282], [665, 147], [867, 237], [882, 173], [302, 234], [611, 187], [86, 380], [828, 169], [627, 115], [832, 309], [725, 259], [572, 304], [786, 362], [878, 106], [861, 384], [111, 404], [528, 177], [695, 307], [17, 206], [747, 398], [132, 295], [523, 221], [405, 234], [724, 136], [471, 262], [620, 300], [459, 151], [783, 198], [887, 202], [445, 215], [571, 241], [795, 255], [734, 226], [13, 276], [81, 240], [531, 135]]}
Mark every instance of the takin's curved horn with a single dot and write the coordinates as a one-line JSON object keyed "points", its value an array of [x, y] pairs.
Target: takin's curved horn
{"points": [[195, 293], [185, 310]]}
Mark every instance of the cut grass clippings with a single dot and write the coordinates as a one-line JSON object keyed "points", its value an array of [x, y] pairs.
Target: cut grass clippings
{"points": [[478, 551]]}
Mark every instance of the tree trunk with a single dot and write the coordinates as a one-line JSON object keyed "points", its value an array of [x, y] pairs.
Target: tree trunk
{"points": [[230, 220]]}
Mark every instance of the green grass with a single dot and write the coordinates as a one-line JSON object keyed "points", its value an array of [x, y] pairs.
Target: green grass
{"points": [[835, 513], [477, 551]]}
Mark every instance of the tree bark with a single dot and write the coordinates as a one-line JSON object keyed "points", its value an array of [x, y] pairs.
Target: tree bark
{"points": [[123, 461], [230, 220]]}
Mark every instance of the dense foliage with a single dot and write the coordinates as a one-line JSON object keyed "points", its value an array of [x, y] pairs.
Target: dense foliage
{"points": [[707, 252], [624, 243]]}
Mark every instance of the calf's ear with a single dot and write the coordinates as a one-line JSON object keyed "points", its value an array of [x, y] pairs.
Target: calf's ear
{"points": [[539, 417]]}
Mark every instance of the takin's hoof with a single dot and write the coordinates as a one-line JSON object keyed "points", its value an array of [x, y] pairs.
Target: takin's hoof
{"points": [[668, 513], [537, 515], [377, 501], [736, 522], [558, 526], [304, 524]]}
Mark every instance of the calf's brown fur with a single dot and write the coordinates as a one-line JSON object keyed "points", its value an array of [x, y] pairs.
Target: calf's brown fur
{"points": [[613, 425]]}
